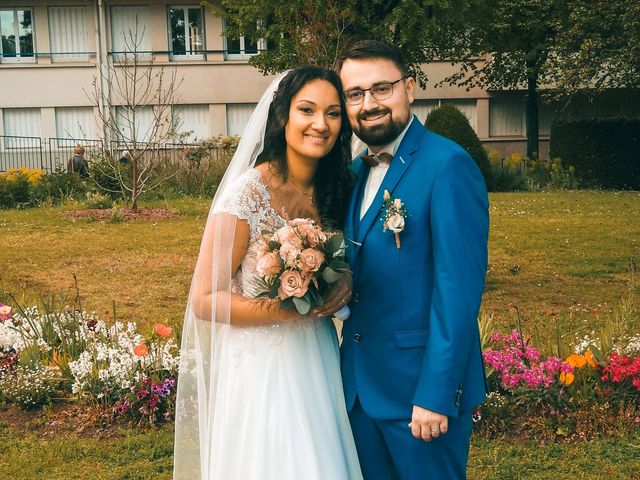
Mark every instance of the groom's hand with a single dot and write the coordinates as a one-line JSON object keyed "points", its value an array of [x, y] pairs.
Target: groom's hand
{"points": [[339, 296], [427, 425]]}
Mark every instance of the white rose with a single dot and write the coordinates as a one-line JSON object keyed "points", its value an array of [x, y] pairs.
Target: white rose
{"points": [[395, 223]]}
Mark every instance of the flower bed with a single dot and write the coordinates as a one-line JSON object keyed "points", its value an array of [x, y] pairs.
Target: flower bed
{"points": [[48, 354]]}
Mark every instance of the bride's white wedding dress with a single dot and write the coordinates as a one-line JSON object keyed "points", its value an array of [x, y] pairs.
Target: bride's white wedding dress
{"points": [[279, 406]]}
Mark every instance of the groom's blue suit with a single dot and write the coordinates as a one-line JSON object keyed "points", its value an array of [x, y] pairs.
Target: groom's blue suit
{"points": [[412, 338]]}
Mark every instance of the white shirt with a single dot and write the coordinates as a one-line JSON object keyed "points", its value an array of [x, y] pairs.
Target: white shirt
{"points": [[377, 173]]}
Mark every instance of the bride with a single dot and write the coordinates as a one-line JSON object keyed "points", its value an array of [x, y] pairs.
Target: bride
{"points": [[259, 392]]}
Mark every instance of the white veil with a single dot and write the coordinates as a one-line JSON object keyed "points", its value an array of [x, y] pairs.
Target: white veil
{"points": [[208, 304]]}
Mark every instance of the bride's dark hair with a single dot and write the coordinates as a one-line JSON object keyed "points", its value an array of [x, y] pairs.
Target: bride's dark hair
{"points": [[333, 179]]}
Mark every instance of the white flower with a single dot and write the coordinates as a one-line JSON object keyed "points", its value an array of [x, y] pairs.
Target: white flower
{"points": [[395, 223]]}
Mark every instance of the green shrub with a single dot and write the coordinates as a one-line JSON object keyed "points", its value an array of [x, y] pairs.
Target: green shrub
{"points": [[6, 200], [450, 122], [58, 186], [604, 151], [508, 179], [103, 176]]}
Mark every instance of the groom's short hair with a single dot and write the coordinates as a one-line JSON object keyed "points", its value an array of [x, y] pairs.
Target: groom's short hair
{"points": [[372, 49]]}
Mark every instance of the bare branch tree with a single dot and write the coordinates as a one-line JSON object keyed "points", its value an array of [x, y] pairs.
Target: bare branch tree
{"points": [[138, 118]]}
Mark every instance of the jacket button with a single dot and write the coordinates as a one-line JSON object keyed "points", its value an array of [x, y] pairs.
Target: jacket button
{"points": [[356, 298], [357, 337]]}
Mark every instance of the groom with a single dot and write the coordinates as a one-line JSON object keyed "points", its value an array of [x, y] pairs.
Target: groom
{"points": [[411, 358]]}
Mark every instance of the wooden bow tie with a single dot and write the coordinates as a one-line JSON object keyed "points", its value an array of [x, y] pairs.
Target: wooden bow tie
{"points": [[374, 160]]}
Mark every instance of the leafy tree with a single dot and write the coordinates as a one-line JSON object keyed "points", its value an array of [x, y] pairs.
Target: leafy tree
{"points": [[599, 46], [316, 31], [508, 44]]}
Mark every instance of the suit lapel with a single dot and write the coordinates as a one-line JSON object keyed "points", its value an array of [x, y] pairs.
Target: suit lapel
{"points": [[399, 165], [353, 214]]}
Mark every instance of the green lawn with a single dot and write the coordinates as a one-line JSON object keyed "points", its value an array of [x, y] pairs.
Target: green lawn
{"points": [[147, 456], [565, 251]]}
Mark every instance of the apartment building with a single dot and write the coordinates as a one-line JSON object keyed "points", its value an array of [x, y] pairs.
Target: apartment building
{"points": [[52, 51]]}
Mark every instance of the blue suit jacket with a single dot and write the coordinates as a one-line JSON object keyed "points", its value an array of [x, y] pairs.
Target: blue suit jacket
{"points": [[412, 337]]}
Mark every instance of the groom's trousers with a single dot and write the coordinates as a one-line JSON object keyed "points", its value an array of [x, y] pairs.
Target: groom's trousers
{"points": [[388, 451]]}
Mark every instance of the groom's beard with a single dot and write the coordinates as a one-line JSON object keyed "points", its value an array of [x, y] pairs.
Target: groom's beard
{"points": [[384, 133]]}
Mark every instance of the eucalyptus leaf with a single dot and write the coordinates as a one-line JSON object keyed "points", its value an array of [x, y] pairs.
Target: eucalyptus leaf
{"points": [[334, 243], [330, 275], [302, 305], [339, 266]]}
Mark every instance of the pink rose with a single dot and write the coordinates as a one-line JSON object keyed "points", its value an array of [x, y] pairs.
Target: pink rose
{"points": [[293, 284], [289, 253], [262, 246], [268, 264], [287, 234], [314, 234], [310, 260]]}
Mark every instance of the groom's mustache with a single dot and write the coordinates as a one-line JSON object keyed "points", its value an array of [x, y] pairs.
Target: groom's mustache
{"points": [[372, 113]]}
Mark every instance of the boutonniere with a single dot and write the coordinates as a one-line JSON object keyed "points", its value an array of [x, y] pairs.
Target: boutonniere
{"points": [[394, 216]]}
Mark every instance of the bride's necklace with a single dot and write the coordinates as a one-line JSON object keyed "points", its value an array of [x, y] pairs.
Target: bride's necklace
{"points": [[304, 192]]}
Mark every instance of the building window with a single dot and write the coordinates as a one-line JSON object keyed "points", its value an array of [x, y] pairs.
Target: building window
{"points": [[68, 34], [21, 122], [130, 32], [186, 33], [238, 115], [16, 30], [191, 119], [422, 108], [242, 47], [506, 117], [76, 123], [136, 127]]}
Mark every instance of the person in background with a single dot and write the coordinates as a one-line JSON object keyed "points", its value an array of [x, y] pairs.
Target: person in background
{"points": [[77, 163]]}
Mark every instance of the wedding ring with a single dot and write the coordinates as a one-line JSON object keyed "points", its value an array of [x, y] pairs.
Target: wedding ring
{"points": [[435, 430]]}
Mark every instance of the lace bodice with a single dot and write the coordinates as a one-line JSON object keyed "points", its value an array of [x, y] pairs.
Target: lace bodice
{"points": [[248, 199]]}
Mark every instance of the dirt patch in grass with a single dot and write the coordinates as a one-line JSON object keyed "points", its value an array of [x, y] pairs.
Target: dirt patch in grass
{"points": [[143, 213], [60, 420]]}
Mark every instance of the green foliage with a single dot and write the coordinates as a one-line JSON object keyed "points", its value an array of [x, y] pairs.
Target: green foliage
{"points": [[104, 178], [451, 123], [199, 168], [508, 179], [599, 46], [59, 186], [317, 31], [604, 151], [15, 191], [97, 200]]}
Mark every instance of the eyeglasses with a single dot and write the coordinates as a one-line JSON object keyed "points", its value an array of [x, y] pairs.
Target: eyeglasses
{"points": [[379, 92]]}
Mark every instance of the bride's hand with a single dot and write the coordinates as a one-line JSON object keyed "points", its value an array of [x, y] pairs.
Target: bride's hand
{"points": [[339, 296]]}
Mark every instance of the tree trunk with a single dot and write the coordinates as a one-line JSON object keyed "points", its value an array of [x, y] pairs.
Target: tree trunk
{"points": [[531, 111], [134, 183]]}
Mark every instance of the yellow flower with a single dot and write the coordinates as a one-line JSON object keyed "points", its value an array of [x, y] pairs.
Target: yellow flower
{"points": [[34, 175], [567, 378], [576, 360], [591, 361]]}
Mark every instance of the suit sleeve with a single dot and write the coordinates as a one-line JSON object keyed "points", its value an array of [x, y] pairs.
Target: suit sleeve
{"points": [[459, 229]]}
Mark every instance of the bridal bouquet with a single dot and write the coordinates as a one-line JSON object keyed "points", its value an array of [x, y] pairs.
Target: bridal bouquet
{"points": [[298, 262]]}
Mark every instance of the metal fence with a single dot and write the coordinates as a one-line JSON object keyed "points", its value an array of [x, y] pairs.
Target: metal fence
{"points": [[53, 153], [62, 149], [16, 152]]}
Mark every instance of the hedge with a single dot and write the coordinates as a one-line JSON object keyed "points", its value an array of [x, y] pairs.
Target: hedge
{"points": [[604, 151]]}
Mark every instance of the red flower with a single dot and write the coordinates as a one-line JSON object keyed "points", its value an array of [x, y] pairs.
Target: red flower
{"points": [[163, 330]]}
